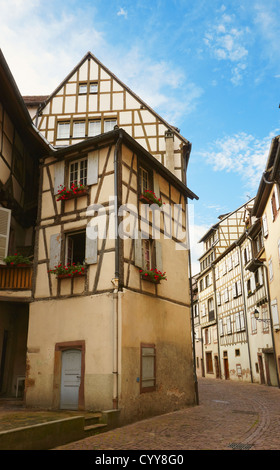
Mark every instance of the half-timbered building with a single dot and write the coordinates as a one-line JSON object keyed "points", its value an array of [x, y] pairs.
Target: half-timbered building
{"points": [[109, 311], [20, 150]]}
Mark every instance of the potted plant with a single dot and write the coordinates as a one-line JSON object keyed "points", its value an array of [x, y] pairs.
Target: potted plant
{"points": [[76, 190], [153, 275], [150, 197], [17, 260], [68, 271]]}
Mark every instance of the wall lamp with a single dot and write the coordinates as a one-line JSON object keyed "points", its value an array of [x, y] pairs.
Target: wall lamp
{"points": [[257, 316]]}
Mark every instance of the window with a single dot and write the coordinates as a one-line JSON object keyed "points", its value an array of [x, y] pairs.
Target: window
{"points": [[145, 180], [94, 128], [211, 312], [228, 326], [75, 248], [148, 368], [239, 321], [226, 297], [218, 298], [78, 172], [79, 129], [93, 87], [148, 254], [207, 336], [63, 130], [201, 285], [109, 124], [82, 89]]}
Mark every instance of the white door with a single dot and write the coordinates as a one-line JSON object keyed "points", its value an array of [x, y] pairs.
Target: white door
{"points": [[70, 379]]}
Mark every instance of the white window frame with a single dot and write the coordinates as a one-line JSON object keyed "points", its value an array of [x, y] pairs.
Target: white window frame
{"points": [[79, 129], [82, 172], [94, 127], [109, 124], [63, 130]]}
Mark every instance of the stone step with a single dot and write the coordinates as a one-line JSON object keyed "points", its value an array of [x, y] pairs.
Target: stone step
{"points": [[93, 418], [94, 429]]}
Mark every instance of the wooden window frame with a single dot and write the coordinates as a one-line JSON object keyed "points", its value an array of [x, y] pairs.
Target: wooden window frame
{"points": [[67, 246], [152, 388], [78, 161]]}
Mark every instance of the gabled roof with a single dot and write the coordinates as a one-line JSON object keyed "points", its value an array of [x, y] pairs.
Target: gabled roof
{"points": [[89, 55], [112, 136], [13, 102], [268, 177]]}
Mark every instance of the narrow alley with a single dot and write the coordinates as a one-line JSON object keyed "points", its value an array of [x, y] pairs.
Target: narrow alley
{"points": [[230, 416]]}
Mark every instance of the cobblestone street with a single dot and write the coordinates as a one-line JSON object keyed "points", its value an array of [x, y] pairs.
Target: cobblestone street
{"points": [[230, 416]]}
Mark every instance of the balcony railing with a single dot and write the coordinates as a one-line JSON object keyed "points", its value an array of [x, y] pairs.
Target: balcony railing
{"points": [[15, 277]]}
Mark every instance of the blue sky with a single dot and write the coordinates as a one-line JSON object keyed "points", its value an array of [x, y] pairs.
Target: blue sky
{"points": [[210, 68]]}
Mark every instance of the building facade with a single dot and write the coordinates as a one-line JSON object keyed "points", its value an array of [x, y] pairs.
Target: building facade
{"points": [[107, 308]]}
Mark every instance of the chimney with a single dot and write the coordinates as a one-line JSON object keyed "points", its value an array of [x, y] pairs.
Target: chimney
{"points": [[169, 156]]}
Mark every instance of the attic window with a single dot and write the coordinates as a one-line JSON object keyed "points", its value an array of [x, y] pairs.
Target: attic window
{"points": [[82, 89], [63, 130], [93, 88]]}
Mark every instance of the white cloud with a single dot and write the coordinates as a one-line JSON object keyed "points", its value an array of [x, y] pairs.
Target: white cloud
{"points": [[240, 153], [227, 43], [122, 12]]}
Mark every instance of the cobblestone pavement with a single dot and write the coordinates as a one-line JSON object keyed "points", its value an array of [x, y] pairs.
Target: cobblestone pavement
{"points": [[230, 416]]}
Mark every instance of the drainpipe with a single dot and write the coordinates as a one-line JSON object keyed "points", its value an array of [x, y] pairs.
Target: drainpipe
{"points": [[192, 316], [115, 281]]}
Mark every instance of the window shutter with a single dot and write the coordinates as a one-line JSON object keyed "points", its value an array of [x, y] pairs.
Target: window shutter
{"points": [[92, 171], [91, 250], [239, 290], [242, 321], [237, 321], [221, 328], [276, 197], [5, 220], [158, 256], [260, 276], [234, 290], [274, 313], [265, 229], [58, 176], [156, 185], [138, 258], [253, 283], [55, 245]]}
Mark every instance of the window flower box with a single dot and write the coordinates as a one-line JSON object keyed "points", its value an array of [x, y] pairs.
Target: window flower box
{"points": [[69, 271], [75, 191], [150, 198], [17, 260], [152, 275]]}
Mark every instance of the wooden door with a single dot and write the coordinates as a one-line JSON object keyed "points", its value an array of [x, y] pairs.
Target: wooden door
{"points": [[70, 379], [226, 368]]}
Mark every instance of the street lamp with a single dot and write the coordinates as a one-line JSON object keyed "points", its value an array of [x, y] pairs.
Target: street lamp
{"points": [[257, 316]]}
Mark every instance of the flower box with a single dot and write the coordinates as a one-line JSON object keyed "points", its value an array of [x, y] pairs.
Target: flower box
{"points": [[150, 198], [17, 260], [69, 271], [152, 275], [70, 275], [75, 191]]}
